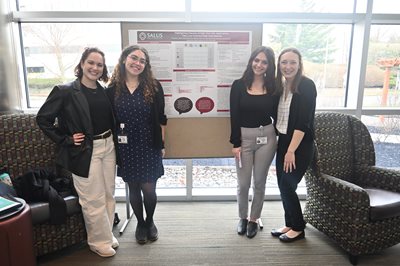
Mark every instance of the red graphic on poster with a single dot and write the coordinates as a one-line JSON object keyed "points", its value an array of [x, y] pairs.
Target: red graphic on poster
{"points": [[204, 105]]}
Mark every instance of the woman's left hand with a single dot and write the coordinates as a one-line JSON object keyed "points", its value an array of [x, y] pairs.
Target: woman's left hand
{"points": [[163, 152], [289, 163]]}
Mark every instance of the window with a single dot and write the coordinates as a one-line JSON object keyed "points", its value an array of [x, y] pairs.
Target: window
{"points": [[214, 173], [385, 133], [386, 6], [382, 80], [325, 50], [102, 5], [52, 50], [331, 6]]}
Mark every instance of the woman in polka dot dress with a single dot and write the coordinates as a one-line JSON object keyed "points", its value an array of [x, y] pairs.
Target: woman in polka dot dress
{"points": [[138, 102]]}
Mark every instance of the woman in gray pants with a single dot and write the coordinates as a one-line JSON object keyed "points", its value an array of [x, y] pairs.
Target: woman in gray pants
{"points": [[253, 104]]}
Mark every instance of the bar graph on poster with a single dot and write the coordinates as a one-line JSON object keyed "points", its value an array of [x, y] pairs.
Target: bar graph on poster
{"points": [[195, 68]]}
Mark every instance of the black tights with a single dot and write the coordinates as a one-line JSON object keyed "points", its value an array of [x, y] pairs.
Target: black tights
{"points": [[149, 198]]}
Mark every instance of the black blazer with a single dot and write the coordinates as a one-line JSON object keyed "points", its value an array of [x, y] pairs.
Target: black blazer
{"points": [[69, 106]]}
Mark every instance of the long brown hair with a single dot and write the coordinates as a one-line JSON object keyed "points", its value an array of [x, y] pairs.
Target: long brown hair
{"points": [[299, 74], [146, 78], [269, 77]]}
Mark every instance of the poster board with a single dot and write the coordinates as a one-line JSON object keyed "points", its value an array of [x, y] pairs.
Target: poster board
{"points": [[196, 137]]}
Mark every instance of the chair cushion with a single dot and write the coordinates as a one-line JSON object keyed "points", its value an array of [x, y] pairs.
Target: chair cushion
{"points": [[41, 211], [384, 203]]}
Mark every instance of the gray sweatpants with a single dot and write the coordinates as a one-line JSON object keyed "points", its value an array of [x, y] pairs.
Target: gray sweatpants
{"points": [[256, 160]]}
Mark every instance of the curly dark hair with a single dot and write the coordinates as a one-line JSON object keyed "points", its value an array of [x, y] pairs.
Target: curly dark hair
{"points": [[88, 50], [269, 77], [146, 78]]}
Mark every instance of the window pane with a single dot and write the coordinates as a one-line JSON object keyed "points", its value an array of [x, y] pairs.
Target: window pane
{"points": [[331, 6], [382, 79], [385, 133], [52, 50], [214, 173], [214, 176], [386, 6], [174, 174], [325, 50], [102, 5], [217, 176], [172, 183]]}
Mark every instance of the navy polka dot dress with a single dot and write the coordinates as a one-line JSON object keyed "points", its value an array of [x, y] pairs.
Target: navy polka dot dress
{"points": [[139, 160]]}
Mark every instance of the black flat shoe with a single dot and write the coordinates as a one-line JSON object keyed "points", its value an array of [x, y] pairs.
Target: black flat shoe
{"points": [[252, 228], [285, 238], [242, 226], [141, 234], [275, 232], [152, 232]]}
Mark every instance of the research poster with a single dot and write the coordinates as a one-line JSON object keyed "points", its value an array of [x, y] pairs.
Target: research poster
{"points": [[195, 68]]}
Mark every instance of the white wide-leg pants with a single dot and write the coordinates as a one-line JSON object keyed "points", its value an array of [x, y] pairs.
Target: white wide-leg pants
{"points": [[96, 194]]}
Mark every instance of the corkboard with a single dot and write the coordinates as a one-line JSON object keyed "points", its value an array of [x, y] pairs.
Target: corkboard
{"points": [[197, 137]]}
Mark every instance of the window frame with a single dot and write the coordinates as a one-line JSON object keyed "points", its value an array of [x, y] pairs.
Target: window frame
{"points": [[360, 21]]}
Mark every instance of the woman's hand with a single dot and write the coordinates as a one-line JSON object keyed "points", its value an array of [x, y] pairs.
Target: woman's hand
{"points": [[78, 138], [163, 153], [289, 163], [236, 152]]}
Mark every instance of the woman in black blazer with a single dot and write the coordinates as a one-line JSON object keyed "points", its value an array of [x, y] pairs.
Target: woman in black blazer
{"points": [[295, 124], [84, 134]]}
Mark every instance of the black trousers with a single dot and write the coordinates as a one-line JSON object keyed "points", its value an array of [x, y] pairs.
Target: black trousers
{"points": [[288, 182]]}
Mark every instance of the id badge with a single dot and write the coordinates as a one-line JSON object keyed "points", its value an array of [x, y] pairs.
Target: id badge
{"points": [[122, 139], [261, 140]]}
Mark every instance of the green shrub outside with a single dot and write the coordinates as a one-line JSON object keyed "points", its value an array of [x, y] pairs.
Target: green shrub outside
{"points": [[38, 86]]}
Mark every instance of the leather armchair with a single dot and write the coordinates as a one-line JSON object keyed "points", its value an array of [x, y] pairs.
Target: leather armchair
{"points": [[349, 199]]}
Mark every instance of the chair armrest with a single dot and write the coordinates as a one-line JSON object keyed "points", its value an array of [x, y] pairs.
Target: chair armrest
{"points": [[378, 177], [338, 198], [345, 191]]}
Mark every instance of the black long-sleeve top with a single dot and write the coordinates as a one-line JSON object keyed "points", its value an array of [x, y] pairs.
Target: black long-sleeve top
{"points": [[249, 110]]}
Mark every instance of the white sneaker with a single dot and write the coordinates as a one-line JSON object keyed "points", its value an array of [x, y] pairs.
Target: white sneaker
{"points": [[103, 252], [115, 243]]}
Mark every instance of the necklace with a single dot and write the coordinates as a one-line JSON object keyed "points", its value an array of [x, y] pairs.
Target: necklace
{"points": [[132, 86]]}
